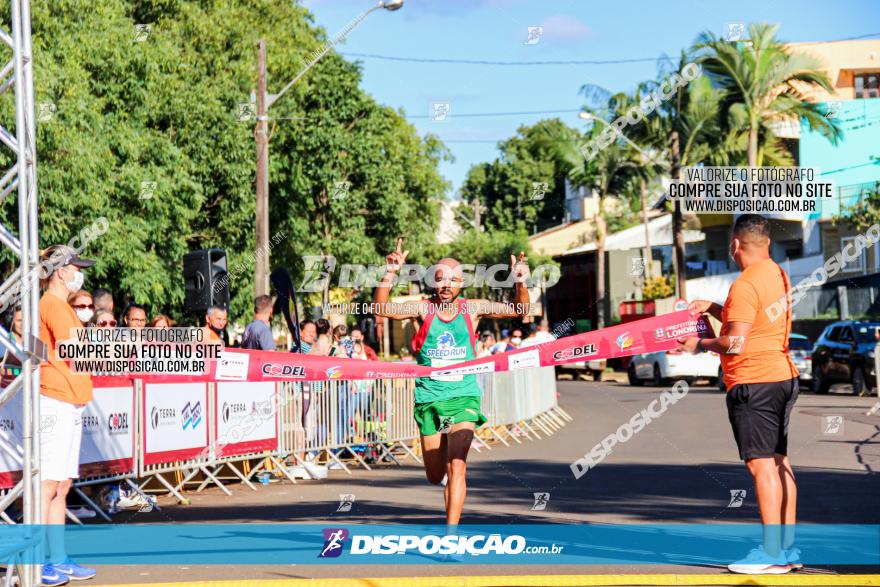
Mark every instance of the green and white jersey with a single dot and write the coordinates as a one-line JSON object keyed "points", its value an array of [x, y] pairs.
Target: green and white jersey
{"points": [[439, 343]]}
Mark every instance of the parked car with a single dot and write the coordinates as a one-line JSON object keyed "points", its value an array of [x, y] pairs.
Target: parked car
{"points": [[592, 368], [844, 353], [660, 367], [800, 349]]}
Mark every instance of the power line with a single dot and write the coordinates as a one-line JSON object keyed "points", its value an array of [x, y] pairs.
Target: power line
{"points": [[505, 63], [557, 62], [477, 114]]}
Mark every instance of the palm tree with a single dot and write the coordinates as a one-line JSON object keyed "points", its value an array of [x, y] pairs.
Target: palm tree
{"points": [[687, 127], [764, 83], [608, 174]]}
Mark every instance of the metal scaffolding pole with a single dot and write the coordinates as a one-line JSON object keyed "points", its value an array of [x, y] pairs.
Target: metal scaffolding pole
{"points": [[25, 246]]}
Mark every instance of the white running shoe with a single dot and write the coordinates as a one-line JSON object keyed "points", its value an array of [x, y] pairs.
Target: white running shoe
{"points": [[793, 556], [758, 562], [82, 513]]}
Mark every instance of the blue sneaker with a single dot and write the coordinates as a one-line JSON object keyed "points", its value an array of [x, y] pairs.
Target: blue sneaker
{"points": [[50, 577], [74, 571], [758, 562]]}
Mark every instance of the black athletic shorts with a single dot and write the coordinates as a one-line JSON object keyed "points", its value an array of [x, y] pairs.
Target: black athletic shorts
{"points": [[759, 414]]}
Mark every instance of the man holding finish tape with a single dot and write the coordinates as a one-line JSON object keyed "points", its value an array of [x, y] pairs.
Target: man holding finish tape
{"points": [[762, 387]]}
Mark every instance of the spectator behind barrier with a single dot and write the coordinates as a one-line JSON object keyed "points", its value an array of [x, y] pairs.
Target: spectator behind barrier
{"points": [[357, 335], [134, 316], [64, 395], [258, 334], [104, 319], [323, 342], [486, 342], [308, 334], [503, 345], [516, 338], [161, 321], [343, 346], [103, 300], [215, 322], [83, 305]]}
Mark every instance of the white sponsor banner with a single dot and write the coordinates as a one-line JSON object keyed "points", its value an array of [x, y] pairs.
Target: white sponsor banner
{"points": [[108, 426], [245, 412], [524, 360], [449, 374], [233, 366], [175, 416], [11, 447]]}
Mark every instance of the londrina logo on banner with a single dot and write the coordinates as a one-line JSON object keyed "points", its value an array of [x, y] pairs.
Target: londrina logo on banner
{"points": [[191, 415], [334, 542]]}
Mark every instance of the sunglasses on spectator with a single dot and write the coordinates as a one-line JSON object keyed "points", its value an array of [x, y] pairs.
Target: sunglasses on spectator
{"points": [[83, 306], [110, 323]]}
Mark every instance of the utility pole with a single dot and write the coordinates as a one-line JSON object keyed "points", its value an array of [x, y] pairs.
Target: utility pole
{"points": [[261, 257], [678, 242], [648, 256]]}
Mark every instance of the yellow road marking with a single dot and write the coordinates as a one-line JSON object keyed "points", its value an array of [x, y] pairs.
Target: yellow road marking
{"points": [[541, 581]]}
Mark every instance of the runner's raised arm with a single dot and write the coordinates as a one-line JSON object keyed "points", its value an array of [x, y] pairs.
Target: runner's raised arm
{"points": [[393, 262]]}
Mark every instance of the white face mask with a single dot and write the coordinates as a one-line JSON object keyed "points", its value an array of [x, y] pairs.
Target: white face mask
{"points": [[516, 340], [84, 314], [75, 284]]}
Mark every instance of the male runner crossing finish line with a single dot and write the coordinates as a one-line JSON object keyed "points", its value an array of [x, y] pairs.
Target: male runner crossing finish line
{"points": [[447, 336]]}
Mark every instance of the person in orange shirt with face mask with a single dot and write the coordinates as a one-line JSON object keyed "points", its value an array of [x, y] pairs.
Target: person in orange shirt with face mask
{"points": [[762, 387], [63, 397]]}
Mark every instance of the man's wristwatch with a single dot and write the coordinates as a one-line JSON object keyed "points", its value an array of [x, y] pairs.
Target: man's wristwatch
{"points": [[700, 348]]}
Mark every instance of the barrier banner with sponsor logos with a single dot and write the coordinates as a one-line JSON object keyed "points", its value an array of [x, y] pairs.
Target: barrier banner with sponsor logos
{"points": [[11, 441], [108, 429], [649, 335], [107, 446], [174, 424], [246, 421]]}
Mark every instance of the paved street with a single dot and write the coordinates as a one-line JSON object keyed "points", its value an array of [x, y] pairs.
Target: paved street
{"points": [[680, 468]]}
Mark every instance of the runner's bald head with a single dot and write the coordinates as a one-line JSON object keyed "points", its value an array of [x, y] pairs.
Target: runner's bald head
{"points": [[447, 278], [449, 261]]}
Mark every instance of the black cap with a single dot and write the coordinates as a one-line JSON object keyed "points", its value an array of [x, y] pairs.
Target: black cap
{"points": [[61, 255]]}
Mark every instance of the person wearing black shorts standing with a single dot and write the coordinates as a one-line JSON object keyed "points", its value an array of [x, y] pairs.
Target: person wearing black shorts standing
{"points": [[762, 387]]}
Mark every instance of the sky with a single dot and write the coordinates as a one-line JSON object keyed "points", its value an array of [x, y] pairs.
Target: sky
{"points": [[572, 30]]}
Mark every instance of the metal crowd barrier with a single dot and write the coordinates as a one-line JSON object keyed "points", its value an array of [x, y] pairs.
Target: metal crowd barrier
{"points": [[249, 428]]}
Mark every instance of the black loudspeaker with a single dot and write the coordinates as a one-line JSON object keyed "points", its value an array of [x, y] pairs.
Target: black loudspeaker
{"points": [[206, 280]]}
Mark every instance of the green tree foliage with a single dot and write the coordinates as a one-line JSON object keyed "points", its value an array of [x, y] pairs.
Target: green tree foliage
{"points": [[506, 186], [491, 248], [163, 106]]}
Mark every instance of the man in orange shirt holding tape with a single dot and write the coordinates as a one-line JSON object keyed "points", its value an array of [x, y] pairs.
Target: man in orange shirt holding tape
{"points": [[762, 387], [63, 397]]}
